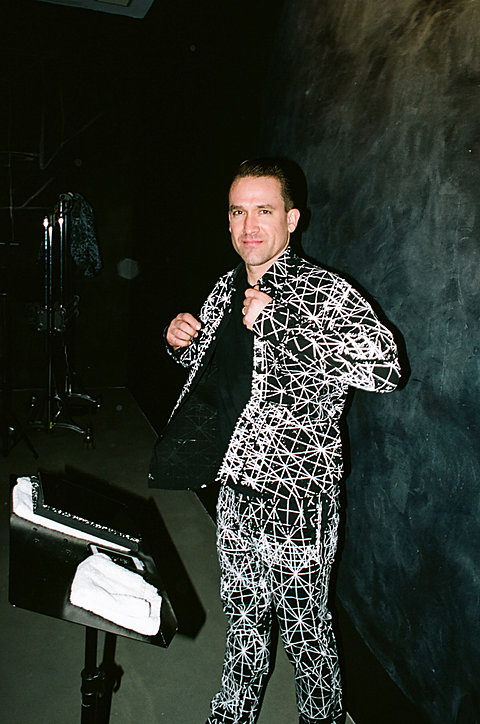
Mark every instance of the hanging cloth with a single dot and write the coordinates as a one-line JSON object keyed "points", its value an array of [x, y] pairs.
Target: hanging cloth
{"points": [[83, 240]]}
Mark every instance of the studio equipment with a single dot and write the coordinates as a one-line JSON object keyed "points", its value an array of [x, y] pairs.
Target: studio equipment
{"points": [[68, 237]]}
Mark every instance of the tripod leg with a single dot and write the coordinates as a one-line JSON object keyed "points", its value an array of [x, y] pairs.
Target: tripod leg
{"points": [[10, 429], [6, 428]]}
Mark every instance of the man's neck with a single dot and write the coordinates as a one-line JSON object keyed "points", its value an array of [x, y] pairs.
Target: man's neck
{"points": [[254, 273]]}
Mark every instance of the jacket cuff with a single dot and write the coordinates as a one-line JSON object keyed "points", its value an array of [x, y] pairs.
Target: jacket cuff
{"points": [[175, 353]]}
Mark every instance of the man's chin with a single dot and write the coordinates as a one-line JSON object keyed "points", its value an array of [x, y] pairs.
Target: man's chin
{"points": [[251, 255]]}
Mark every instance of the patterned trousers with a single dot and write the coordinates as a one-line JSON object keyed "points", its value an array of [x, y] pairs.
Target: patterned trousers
{"points": [[277, 556]]}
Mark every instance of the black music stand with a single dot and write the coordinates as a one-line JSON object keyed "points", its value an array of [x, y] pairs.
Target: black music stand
{"points": [[42, 566]]}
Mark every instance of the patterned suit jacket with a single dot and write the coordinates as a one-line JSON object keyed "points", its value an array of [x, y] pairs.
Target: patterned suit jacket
{"points": [[316, 338]]}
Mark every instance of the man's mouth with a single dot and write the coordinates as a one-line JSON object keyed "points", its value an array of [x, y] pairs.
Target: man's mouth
{"points": [[252, 242]]}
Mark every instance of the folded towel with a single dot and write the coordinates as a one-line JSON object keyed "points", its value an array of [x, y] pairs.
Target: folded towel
{"points": [[117, 594], [22, 506]]}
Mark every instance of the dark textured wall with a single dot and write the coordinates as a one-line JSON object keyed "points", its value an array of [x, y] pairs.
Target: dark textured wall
{"points": [[380, 105]]}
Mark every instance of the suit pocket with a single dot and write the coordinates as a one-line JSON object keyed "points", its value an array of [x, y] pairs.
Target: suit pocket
{"points": [[186, 456]]}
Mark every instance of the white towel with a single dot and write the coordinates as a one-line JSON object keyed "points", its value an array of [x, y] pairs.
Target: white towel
{"points": [[117, 594], [22, 505]]}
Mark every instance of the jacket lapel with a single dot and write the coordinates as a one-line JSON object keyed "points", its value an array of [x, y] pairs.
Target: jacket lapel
{"points": [[274, 278]]}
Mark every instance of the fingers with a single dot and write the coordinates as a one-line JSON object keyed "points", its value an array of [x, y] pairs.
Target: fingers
{"points": [[254, 302], [253, 291], [182, 330]]}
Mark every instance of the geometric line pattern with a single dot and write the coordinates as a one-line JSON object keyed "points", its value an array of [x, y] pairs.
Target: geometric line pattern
{"points": [[276, 557], [277, 511], [316, 338]]}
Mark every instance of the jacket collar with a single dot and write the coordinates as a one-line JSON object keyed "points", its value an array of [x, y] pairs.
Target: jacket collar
{"points": [[275, 276]]}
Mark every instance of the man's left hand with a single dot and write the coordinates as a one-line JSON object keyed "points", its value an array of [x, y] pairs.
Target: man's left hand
{"points": [[255, 301]]}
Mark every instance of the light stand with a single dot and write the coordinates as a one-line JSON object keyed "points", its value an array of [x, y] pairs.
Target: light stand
{"points": [[56, 321]]}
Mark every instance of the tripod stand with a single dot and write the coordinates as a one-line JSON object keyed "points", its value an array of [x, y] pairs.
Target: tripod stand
{"points": [[56, 321]]}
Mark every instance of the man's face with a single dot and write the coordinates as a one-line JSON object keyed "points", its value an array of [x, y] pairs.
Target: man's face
{"points": [[259, 225]]}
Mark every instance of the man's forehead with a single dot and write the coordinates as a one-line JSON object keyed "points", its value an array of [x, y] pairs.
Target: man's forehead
{"points": [[263, 188]]}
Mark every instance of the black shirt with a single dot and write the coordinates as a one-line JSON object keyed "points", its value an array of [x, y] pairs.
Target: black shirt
{"points": [[234, 362]]}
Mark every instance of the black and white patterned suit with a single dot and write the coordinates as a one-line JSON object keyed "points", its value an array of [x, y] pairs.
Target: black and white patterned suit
{"points": [[278, 503]]}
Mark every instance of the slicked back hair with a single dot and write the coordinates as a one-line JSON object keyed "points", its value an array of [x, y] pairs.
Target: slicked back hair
{"points": [[273, 167]]}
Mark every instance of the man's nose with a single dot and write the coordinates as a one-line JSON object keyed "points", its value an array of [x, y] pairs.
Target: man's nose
{"points": [[251, 223]]}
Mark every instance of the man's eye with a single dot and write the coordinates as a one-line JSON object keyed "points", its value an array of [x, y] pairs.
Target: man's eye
{"points": [[265, 211], [237, 212]]}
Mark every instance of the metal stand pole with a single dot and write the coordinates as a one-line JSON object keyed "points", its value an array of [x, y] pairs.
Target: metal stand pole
{"points": [[98, 683], [112, 677], [92, 679]]}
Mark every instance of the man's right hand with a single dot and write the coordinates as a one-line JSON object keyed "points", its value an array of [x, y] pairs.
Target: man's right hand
{"points": [[182, 330]]}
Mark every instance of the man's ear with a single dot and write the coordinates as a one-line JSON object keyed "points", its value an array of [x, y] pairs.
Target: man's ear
{"points": [[293, 217]]}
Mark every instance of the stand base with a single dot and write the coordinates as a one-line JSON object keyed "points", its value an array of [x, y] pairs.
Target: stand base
{"points": [[55, 414]]}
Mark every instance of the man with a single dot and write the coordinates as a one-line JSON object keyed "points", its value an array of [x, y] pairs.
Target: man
{"points": [[271, 355]]}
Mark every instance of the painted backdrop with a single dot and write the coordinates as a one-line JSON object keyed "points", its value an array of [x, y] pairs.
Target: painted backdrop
{"points": [[380, 105]]}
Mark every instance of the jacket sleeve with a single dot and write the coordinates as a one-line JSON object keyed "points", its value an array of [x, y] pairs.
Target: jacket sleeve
{"points": [[343, 338], [187, 356], [184, 356]]}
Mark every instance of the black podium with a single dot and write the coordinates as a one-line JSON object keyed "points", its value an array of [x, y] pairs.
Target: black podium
{"points": [[43, 563]]}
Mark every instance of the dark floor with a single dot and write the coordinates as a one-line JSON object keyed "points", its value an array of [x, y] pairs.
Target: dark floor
{"points": [[42, 657]]}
